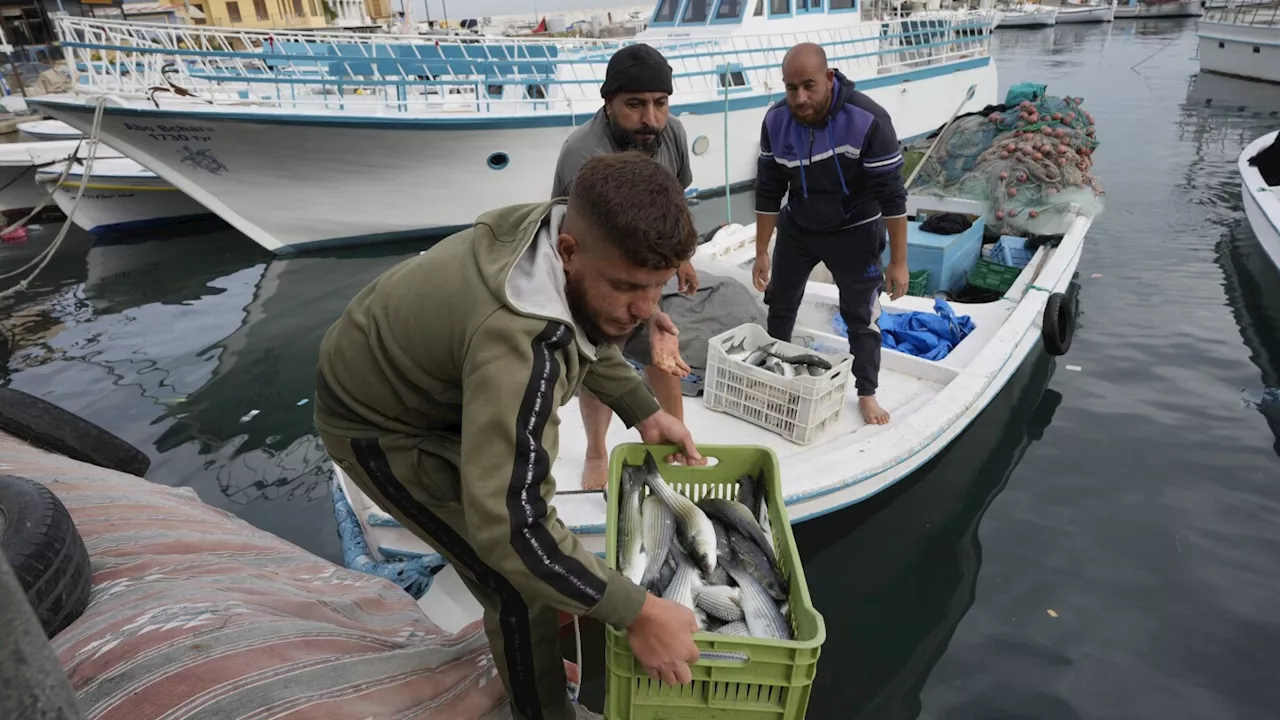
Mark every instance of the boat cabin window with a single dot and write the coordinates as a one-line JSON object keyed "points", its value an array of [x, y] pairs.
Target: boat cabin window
{"points": [[841, 4], [729, 9], [808, 6], [733, 77], [780, 7], [666, 12], [695, 13], [759, 9]]}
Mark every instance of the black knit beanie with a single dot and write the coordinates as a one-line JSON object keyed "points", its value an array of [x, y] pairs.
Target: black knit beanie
{"points": [[636, 68]]}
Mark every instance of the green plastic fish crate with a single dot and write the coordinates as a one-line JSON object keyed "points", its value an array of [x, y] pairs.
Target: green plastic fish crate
{"points": [[738, 678], [918, 284], [991, 275]]}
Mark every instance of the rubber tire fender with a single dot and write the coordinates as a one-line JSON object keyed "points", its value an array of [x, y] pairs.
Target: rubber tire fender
{"points": [[1059, 324], [46, 551], [52, 428]]}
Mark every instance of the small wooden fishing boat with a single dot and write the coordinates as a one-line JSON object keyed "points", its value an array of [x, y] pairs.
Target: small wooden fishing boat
{"points": [[932, 402]]}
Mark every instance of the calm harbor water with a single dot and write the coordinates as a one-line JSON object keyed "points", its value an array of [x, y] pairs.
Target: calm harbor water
{"points": [[1132, 488]]}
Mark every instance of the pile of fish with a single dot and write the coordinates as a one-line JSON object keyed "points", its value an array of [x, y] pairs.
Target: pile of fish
{"points": [[715, 556], [771, 357]]}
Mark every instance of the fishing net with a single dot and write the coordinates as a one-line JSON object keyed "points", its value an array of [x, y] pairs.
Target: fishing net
{"points": [[1030, 161]]}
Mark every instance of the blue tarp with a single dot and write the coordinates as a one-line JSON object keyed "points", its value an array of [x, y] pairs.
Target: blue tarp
{"points": [[921, 334]]}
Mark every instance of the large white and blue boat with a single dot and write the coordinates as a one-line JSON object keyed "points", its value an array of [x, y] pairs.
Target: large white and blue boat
{"points": [[308, 139]]}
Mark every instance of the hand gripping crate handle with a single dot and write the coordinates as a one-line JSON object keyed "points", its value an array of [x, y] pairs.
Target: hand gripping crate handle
{"points": [[715, 658]]}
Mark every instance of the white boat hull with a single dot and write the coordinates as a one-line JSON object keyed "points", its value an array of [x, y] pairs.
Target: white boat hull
{"points": [[18, 165], [932, 403], [120, 195], [1186, 8], [47, 131], [1094, 14], [18, 188], [1261, 203], [1028, 19], [1229, 49], [373, 180]]}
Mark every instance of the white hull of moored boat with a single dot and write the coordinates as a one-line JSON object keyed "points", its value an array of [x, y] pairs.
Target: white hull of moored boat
{"points": [[18, 165], [1177, 9], [1072, 15], [931, 402], [381, 179], [1238, 50], [120, 195], [48, 131], [1038, 18], [1261, 202], [299, 149]]}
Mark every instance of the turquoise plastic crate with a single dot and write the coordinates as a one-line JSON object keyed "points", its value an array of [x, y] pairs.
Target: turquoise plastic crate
{"points": [[739, 678], [1012, 251]]}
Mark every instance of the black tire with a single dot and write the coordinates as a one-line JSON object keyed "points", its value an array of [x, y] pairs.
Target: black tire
{"points": [[1059, 324], [48, 426], [46, 552]]}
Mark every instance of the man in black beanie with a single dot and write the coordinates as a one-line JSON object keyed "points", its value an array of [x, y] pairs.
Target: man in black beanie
{"points": [[636, 90]]}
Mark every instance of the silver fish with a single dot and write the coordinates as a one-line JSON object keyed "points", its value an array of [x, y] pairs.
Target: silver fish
{"points": [[749, 489], [720, 601], [719, 576], [631, 556], [700, 618], [737, 627], [809, 359], [685, 583], [749, 558], [665, 574], [756, 358], [815, 371], [693, 527], [760, 610], [659, 529], [736, 515]]}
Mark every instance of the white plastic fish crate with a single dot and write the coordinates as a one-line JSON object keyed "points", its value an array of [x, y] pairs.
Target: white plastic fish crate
{"points": [[799, 409], [735, 678]]}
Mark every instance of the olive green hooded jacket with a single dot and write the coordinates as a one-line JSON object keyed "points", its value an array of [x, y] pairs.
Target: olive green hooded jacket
{"points": [[471, 347]]}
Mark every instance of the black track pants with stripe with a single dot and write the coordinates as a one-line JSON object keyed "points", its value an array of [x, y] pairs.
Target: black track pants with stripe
{"points": [[417, 488]]}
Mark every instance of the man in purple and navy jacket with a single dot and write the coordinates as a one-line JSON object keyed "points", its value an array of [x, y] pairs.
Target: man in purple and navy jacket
{"points": [[833, 152]]}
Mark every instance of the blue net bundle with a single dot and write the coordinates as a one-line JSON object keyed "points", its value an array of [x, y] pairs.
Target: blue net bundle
{"points": [[1030, 162]]}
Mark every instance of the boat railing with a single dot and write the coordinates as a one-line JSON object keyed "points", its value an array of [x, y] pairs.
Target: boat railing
{"points": [[407, 73], [1251, 14]]}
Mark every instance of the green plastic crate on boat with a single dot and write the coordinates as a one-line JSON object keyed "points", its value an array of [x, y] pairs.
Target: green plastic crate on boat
{"points": [[738, 678], [994, 276], [918, 283]]}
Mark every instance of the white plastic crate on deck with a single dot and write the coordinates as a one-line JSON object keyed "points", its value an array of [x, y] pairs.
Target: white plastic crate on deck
{"points": [[799, 408]]}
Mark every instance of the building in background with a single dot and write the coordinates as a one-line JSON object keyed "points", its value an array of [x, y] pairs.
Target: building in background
{"points": [[267, 14], [378, 10]]}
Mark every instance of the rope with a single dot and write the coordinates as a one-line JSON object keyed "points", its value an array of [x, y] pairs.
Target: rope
{"points": [[577, 644], [47, 254]]}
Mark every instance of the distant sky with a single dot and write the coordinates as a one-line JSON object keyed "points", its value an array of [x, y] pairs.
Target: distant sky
{"points": [[458, 9]]}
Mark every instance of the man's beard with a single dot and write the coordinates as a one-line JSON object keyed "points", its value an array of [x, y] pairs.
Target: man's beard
{"points": [[627, 140], [577, 298]]}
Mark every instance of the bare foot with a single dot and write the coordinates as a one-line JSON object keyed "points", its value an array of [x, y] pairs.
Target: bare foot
{"points": [[595, 474], [872, 413]]}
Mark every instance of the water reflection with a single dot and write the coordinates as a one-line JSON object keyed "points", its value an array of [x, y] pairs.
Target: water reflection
{"points": [[199, 350], [896, 574], [1252, 285]]}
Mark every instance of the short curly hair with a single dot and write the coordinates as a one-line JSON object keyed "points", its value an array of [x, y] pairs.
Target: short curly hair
{"points": [[637, 205]]}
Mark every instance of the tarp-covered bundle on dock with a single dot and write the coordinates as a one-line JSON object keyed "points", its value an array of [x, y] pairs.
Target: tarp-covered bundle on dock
{"points": [[1029, 158]]}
